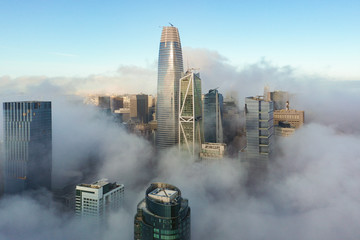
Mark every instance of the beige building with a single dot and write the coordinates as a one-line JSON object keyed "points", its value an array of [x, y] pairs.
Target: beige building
{"points": [[294, 117], [284, 131], [212, 150]]}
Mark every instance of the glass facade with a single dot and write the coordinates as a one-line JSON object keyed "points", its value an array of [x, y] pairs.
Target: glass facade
{"points": [[259, 128], [160, 217], [170, 70], [213, 110], [190, 113], [28, 146]]}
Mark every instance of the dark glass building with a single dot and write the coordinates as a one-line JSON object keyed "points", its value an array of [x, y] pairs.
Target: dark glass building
{"points": [[27, 145], [163, 214], [170, 70], [213, 111], [142, 108]]}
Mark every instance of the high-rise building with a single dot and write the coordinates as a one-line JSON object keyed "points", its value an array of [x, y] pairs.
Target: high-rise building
{"points": [[133, 107], [142, 108], [116, 103], [190, 113], [170, 70], [163, 214], [279, 98], [259, 128], [95, 201], [27, 145], [213, 108], [294, 117]]}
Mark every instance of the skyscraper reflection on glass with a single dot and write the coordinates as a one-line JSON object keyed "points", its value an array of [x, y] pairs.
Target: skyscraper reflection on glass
{"points": [[170, 70], [27, 145]]}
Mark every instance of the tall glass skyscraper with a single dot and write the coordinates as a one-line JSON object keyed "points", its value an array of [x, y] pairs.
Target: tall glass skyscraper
{"points": [[27, 145], [190, 113], [259, 129], [163, 214], [213, 110], [170, 70]]}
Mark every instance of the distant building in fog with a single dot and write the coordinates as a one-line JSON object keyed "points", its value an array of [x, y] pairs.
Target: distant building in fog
{"points": [[287, 120], [116, 103], [142, 108], [162, 214], [284, 129], [104, 102], [294, 117], [212, 151], [27, 145], [139, 109], [279, 98], [259, 128], [213, 111], [95, 201]]}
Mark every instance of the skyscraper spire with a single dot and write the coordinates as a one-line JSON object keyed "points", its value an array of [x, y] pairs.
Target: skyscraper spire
{"points": [[170, 70]]}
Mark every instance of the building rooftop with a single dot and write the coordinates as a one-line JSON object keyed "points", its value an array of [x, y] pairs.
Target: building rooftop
{"points": [[102, 183], [164, 195]]}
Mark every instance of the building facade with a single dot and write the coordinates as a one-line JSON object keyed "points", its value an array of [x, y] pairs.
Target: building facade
{"points": [[27, 145], [279, 98], [190, 113], [163, 214], [142, 108], [213, 110], [294, 117], [212, 151], [170, 70], [259, 128], [95, 201]]}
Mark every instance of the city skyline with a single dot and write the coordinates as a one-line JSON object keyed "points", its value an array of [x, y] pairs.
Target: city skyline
{"points": [[316, 38], [311, 187]]}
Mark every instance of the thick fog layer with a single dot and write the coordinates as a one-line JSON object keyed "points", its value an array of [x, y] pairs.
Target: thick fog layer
{"points": [[311, 192]]}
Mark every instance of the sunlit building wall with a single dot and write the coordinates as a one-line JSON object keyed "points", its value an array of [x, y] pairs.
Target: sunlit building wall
{"points": [[170, 70], [190, 113]]}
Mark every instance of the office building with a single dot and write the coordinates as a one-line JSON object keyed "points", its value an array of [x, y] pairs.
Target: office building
{"points": [[213, 111], [116, 102], [212, 151], [284, 129], [190, 113], [27, 145], [104, 102], [294, 117], [170, 70], [259, 129], [279, 99], [95, 201], [162, 214], [142, 108]]}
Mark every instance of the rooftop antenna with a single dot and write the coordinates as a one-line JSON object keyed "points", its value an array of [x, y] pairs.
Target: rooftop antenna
{"points": [[171, 24]]}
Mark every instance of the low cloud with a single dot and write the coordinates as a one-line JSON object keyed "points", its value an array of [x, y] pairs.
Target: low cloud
{"points": [[311, 191]]}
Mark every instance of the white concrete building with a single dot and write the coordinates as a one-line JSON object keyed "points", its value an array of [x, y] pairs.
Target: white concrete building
{"points": [[96, 200]]}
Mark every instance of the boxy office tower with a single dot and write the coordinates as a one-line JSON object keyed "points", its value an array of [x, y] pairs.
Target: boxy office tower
{"points": [[162, 214], [27, 145]]}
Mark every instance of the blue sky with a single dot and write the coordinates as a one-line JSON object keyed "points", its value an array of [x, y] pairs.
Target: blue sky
{"points": [[80, 38]]}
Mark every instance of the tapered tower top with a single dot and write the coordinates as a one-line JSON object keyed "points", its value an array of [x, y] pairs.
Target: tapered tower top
{"points": [[170, 34]]}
